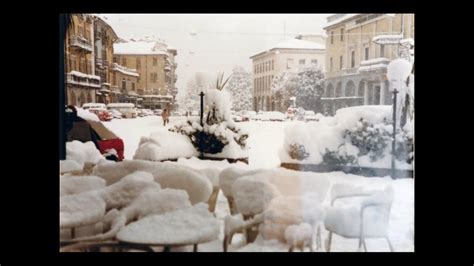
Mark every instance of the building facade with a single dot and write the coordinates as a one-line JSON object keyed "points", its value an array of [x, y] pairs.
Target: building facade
{"points": [[286, 56], [124, 85], [357, 57], [156, 68], [81, 81], [104, 40]]}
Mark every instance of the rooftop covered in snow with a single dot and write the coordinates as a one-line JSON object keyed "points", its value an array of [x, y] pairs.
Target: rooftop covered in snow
{"points": [[140, 47], [294, 44]]}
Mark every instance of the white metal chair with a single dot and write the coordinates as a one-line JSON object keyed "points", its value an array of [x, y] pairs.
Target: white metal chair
{"points": [[369, 220]]}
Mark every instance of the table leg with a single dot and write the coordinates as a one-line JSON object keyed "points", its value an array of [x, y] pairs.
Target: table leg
{"points": [[195, 248]]}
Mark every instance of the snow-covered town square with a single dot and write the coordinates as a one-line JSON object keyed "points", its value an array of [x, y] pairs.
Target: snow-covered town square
{"points": [[237, 133]]}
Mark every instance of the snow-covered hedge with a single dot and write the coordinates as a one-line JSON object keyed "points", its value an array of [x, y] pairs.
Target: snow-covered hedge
{"points": [[354, 136]]}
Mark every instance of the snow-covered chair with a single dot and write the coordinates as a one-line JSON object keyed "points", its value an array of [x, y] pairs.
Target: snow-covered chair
{"points": [[369, 220]]}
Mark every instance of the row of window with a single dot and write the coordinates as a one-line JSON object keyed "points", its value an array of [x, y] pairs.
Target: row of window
{"points": [[264, 66], [262, 84], [341, 36], [138, 60], [124, 85], [366, 57], [79, 64], [290, 62]]}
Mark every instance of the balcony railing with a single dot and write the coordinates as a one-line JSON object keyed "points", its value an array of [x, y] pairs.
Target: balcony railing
{"points": [[80, 42], [101, 62], [78, 78]]}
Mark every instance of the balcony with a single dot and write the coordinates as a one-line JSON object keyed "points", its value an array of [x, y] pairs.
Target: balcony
{"points": [[376, 64], [342, 72], [81, 79], [80, 43], [101, 62]]}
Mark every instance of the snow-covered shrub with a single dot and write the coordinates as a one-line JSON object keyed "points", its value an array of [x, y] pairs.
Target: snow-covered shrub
{"points": [[219, 135], [298, 152], [370, 139]]}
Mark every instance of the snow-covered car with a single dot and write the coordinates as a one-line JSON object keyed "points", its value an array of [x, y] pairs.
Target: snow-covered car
{"points": [[127, 109], [102, 113], [237, 118], [116, 114], [175, 113], [87, 106], [310, 116], [252, 115], [291, 113], [244, 115], [275, 116]]}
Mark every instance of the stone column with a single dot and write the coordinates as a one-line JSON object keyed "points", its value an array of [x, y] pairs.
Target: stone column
{"points": [[366, 93], [382, 93]]}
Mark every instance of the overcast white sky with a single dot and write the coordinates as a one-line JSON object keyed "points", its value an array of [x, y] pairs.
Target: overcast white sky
{"points": [[216, 42]]}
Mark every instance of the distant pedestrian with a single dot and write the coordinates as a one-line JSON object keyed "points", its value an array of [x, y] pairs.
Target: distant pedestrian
{"points": [[165, 116]]}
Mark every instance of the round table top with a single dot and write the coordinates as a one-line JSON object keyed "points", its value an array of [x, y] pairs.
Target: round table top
{"points": [[177, 228]]}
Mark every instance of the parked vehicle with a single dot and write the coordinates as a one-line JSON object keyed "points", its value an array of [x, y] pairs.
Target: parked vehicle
{"points": [[237, 118], [102, 113], [127, 109], [252, 115], [87, 106], [273, 116], [116, 114], [175, 113], [83, 129], [310, 116]]}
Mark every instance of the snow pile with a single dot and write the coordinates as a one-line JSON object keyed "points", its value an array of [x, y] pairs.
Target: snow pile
{"points": [[157, 201], [123, 192], [194, 183], [167, 174], [252, 194], [229, 175], [81, 209], [184, 226], [212, 174], [349, 117], [233, 222], [89, 207], [77, 184], [221, 100], [296, 183], [68, 166], [86, 115], [83, 152], [299, 235], [284, 211], [346, 220], [164, 145]]}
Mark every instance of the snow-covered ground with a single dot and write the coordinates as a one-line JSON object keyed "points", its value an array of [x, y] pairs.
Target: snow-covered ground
{"points": [[265, 139]]}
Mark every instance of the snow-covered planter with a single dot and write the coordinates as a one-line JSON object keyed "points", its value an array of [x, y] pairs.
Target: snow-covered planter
{"points": [[219, 137], [357, 137]]}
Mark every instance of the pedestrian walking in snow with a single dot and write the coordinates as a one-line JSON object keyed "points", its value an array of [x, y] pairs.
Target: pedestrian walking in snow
{"points": [[165, 116]]}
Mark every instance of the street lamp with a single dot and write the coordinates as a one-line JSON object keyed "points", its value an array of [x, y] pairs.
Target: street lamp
{"points": [[397, 72]]}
